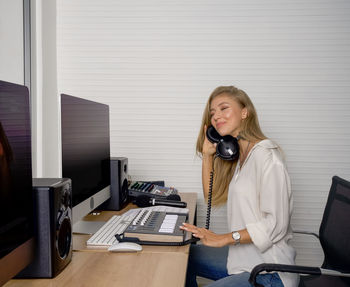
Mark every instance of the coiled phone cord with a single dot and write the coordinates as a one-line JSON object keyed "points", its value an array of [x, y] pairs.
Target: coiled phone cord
{"points": [[210, 195]]}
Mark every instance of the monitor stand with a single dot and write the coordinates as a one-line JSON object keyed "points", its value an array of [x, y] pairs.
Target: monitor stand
{"points": [[87, 227]]}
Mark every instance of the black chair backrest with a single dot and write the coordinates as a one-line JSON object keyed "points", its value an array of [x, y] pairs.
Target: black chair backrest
{"points": [[335, 227]]}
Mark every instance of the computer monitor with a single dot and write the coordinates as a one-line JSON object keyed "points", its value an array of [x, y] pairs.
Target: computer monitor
{"points": [[85, 156], [16, 190]]}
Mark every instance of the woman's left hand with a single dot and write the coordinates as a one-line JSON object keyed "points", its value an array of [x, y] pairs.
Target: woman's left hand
{"points": [[207, 237]]}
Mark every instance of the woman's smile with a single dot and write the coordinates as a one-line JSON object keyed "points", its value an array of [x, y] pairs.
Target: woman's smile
{"points": [[219, 125]]}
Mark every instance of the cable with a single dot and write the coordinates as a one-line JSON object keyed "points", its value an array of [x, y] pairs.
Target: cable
{"points": [[210, 195], [121, 238]]}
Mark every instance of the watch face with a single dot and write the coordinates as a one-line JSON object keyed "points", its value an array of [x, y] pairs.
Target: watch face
{"points": [[236, 236]]}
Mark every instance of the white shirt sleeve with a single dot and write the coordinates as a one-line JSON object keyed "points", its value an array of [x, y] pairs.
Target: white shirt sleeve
{"points": [[274, 203]]}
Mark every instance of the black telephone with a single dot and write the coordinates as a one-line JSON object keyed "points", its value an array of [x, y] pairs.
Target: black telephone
{"points": [[227, 146], [228, 149]]}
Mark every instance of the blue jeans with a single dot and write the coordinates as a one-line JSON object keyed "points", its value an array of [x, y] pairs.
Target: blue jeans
{"points": [[241, 280], [210, 262]]}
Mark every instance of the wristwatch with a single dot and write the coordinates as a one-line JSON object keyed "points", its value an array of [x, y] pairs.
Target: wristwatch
{"points": [[236, 237]]}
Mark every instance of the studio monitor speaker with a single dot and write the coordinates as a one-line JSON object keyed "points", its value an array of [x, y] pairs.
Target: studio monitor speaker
{"points": [[53, 227], [119, 184]]}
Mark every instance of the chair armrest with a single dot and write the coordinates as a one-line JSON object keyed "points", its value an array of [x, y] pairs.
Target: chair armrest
{"points": [[306, 232], [291, 269]]}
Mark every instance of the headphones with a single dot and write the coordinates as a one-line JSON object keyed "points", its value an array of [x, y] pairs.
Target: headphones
{"points": [[227, 146]]}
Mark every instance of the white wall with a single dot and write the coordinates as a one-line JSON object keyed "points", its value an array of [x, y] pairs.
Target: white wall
{"points": [[51, 137], [156, 62], [45, 115], [11, 41]]}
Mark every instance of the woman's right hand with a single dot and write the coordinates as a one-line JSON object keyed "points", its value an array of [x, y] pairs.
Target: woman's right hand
{"points": [[209, 148]]}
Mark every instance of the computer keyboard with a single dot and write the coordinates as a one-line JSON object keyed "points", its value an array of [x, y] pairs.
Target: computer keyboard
{"points": [[105, 236], [117, 224]]}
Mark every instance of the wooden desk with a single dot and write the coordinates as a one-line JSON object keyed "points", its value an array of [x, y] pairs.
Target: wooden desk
{"points": [[154, 266]]}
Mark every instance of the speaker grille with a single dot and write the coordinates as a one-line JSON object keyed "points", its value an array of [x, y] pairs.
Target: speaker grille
{"points": [[64, 238]]}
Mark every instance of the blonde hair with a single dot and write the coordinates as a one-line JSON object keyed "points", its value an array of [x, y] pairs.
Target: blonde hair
{"points": [[250, 130]]}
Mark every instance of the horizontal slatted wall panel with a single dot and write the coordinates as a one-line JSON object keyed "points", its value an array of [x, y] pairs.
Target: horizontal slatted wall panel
{"points": [[156, 62]]}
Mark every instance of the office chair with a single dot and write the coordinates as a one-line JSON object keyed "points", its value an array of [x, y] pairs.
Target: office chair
{"points": [[334, 236]]}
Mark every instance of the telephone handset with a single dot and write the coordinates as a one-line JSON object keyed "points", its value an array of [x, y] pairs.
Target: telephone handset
{"points": [[227, 146], [228, 149]]}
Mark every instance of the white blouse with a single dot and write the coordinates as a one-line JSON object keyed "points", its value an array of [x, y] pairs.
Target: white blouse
{"points": [[260, 200]]}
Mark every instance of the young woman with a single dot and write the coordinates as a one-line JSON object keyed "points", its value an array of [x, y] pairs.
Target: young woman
{"points": [[256, 187]]}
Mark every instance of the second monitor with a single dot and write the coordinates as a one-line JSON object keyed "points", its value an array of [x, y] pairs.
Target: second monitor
{"points": [[85, 155]]}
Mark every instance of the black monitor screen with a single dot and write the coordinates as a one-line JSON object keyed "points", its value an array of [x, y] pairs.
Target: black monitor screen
{"points": [[16, 200], [85, 146]]}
